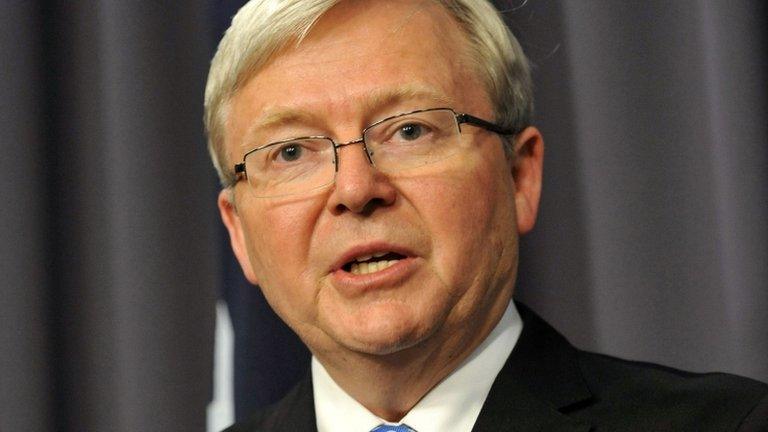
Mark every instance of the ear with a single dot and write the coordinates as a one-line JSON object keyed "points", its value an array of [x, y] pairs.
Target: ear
{"points": [[527, 167], [234, 225]]}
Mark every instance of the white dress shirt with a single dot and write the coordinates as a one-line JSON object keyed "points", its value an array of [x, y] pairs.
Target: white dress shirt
{"points": [[453, 405]]}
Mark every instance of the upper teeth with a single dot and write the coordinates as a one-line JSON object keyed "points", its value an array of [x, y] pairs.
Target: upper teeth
{"points": [[367, 257], [370, 267]]}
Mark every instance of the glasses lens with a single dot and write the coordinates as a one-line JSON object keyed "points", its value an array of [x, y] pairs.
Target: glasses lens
{"points": [[290, 167], [413, 140]]}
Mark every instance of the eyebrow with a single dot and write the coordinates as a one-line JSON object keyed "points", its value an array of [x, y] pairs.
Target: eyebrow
{"points": [[375, 102]]}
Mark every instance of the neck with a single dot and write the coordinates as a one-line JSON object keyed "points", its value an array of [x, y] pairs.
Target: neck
{"points": [[389, 386]]}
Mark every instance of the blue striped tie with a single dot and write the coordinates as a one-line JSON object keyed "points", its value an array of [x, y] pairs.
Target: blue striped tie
{"points": [[392, 428]]}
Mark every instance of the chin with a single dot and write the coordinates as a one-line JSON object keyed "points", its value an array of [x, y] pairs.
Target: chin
{"points": [[383, 330], [380, 347], [386, 343]]}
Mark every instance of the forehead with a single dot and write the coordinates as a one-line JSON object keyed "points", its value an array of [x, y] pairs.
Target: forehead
{"points": [[360, 58]]}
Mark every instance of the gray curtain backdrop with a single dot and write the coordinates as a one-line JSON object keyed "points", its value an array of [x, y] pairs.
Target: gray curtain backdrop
{"points": [[652, 242], [108, 225]]}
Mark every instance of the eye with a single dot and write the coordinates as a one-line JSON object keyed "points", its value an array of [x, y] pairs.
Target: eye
{"points": [[410, 131], [300, 152], [416, 129], [289, 152]]}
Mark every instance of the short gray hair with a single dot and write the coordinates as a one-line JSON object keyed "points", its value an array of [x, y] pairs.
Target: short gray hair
{"points": [[262, 28]]}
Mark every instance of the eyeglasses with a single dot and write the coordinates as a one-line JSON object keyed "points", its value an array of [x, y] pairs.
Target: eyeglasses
{"points": [[395, 144]]}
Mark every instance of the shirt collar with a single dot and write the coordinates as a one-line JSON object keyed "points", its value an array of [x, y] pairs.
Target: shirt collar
{"points": [[453, 404]]}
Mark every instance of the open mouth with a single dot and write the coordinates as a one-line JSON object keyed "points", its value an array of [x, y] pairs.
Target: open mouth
{"points": [[377, 262]]}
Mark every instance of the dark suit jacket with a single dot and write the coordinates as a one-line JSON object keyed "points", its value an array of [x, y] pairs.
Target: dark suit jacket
{"points": [[548, 385]]}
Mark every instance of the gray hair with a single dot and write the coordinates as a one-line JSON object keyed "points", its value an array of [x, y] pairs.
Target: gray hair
{"points": [[262, 28]]}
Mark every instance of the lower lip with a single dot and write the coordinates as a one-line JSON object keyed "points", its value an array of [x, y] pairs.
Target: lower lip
{"points": [[352, 284]]}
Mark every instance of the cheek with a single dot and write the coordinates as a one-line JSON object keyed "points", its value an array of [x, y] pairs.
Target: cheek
{"points": [[278, 240], [469, 213]]}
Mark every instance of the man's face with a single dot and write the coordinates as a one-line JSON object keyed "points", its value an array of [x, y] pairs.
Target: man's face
{"points": [[451, 226]]}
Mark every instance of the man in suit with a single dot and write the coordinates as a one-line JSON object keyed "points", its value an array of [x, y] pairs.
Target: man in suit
{"points": [[379, 165]]}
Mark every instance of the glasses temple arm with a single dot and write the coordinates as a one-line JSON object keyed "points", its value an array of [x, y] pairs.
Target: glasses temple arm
{"points": [[470, 119]]}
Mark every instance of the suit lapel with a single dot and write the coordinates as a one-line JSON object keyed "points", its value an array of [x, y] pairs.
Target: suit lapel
{"points": [[295, 412], [540, 381]]}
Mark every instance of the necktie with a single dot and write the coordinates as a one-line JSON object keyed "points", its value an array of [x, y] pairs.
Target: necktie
{"points": [[392, 428]]}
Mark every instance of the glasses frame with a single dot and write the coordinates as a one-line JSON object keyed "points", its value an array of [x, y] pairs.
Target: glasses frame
{"points": [[460, 118]]}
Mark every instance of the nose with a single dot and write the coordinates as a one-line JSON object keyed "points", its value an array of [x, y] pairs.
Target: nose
{"points": [[359, 188]]}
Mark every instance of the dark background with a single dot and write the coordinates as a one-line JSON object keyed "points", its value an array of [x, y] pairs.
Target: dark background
{"points": [[652, 241]]}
